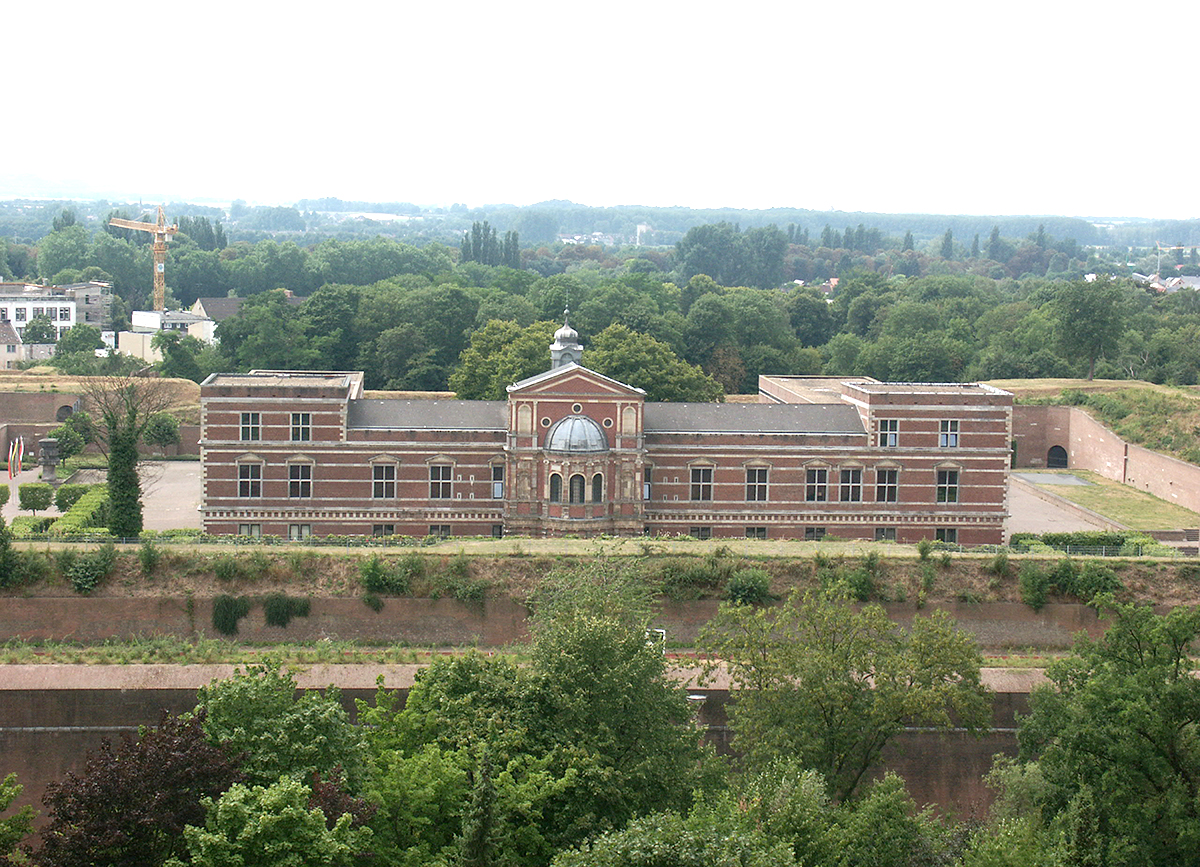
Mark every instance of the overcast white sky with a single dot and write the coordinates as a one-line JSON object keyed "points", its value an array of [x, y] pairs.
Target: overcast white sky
{"points": [[930, 107]]}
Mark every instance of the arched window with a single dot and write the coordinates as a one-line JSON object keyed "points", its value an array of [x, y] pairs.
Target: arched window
{"points": [[1056, 458], [597, 488], [577, 489], [555, 488]]}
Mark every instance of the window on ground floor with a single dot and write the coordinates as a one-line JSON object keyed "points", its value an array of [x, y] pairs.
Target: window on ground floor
{"points": [[597, 488], [299, 532], [946, 534], [383, 529], [497, 531], [885, 534], [756, 532], [701, 532], [555, 488], [814, 534], [439, 531], [578, 487], [252, 530]]}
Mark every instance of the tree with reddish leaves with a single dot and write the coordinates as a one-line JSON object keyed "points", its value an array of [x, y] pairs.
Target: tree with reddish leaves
{"points": [[129, 806]]}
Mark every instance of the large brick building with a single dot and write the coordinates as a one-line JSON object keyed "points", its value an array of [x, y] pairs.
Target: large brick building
{"points": [[574, 452]]}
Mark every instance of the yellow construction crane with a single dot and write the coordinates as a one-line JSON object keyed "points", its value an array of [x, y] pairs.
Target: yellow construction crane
{"points": [[162, 233]]}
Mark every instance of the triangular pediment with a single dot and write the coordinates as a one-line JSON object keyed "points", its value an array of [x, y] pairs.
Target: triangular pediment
{"points": [[573, 380]]}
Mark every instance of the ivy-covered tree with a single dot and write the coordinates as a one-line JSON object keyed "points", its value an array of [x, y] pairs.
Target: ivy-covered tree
{"points": [[39, 330]]}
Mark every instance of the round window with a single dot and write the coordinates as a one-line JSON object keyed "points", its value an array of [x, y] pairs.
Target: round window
{"points": [[577, 408], [546, 422], [608, 422]]}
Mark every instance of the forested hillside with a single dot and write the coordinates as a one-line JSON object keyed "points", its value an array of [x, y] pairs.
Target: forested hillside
{"points": [[721, 306]]}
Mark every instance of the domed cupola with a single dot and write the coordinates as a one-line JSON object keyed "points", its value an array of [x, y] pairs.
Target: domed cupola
{"points": [[566, 348], [576, 434]]}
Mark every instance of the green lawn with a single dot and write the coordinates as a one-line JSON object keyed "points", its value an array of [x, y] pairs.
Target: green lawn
{"points": [[1123, 504]]}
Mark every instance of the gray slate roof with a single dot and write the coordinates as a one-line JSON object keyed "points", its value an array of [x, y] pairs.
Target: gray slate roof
{"points": [[428, 414], [752, 418]]}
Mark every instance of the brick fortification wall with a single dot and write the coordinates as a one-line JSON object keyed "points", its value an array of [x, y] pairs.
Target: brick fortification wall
{"points": [[1092, 446]]}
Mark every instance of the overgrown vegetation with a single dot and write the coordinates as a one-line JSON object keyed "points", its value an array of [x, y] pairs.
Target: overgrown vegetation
{"points": [[227, 611]]}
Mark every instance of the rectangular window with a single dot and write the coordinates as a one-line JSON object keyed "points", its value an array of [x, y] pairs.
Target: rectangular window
{"points": [[946, 534], [756, 484], [498, 482], [439, 531], [888, 428], [383, 479], [756, 532], [887, 486], [701, 532], [816, 486], [439, 481], [948, 433], [299, 532], [39, 311], [885, 534], [64, 314], [383, 529], [3, 314], [20, 311], [497, 531], [300, 480], [850, 490], [702, 483], [251, 426], [647, 488], [254, 531], [947, 486], [249, 480], [814, 534], [53, 311], [301, 426]]}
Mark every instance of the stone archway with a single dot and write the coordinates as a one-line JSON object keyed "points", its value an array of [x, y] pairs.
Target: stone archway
{"points": [[1056, 458]]}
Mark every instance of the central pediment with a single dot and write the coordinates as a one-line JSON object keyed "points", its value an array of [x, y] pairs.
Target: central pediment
{"points": [[573, 380]]}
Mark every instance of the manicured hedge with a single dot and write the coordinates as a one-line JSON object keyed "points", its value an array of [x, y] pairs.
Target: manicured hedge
{"points": [[88, 515]]}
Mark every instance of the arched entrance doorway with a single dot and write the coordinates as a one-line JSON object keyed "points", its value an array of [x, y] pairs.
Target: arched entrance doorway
{"points": [[1056, 458]]}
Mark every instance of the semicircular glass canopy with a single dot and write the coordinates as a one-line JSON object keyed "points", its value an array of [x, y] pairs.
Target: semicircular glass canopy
{"points": [[574, 434]]}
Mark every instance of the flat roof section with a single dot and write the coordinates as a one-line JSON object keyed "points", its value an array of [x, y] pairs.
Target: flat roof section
{"points": [[838, 418], [806, 389], [427, 415]]}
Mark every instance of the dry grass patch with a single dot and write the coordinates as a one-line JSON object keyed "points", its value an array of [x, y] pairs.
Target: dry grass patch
{"points": [[1126, 505]]}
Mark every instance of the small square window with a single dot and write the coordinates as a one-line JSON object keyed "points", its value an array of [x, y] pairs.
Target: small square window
{"points": [[251, 426], [300, 480], [948, 433], [756, 532], [701, 532], [888, 432], [814, 534], [301, 426]]}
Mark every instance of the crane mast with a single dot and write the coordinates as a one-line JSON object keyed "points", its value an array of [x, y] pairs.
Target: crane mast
{"points": [[162, 233]]}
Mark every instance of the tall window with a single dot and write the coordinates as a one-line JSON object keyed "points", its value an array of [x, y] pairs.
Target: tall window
{"points": [[947, 486], [301, 426], [887, 486], [577, 486], [888, 429], [851, 486], [948, 433], [300, 480], [249, 480], [251, 426], [702, 480], [816, 485], [597, 488], [497, 481], [756, 484], [647, 487], [383, 478], [439, 481], [555, 488]]}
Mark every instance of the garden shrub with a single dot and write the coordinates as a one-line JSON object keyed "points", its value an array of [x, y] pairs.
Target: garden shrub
{"points": [[227, 568], [27, 526], [279, 609], [924, 548], [381, 576], [749, 587], [68, 495], [88, 569], [87, 516], [35, 496], [227, 611], [149, 556], [1033, 583]]}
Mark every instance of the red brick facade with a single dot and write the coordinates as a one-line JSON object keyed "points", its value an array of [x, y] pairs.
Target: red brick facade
{"points": [[574, 452]]}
